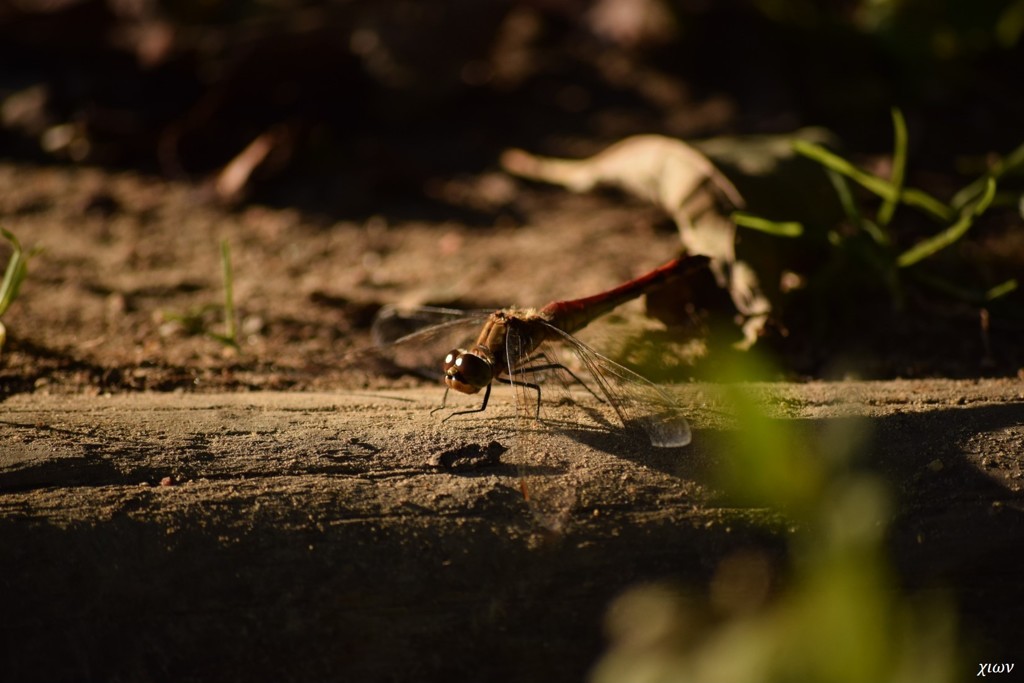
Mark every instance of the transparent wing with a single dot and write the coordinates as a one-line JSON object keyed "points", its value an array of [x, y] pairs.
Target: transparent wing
{"points": [[393, 323], [638, 403], [545, 468], [418, 338]]}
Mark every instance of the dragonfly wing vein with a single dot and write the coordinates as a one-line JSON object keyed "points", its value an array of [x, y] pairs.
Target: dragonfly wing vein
{"points": [[637, 401], [418, 340]]}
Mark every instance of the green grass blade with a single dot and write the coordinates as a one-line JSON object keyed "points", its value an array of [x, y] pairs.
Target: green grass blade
{"points": [[778, 228], [879, 259], [846, 199], [967, 294], [877, 234], [852, 211], [879, 186], [927, 203], [970, 192], [899, 167], [14, 275], [1001, 290], [231, 334], [883, 188], [950, 235]]}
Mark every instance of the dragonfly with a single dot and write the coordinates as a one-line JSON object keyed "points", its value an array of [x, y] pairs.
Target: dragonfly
{"points": [[515, 346]]}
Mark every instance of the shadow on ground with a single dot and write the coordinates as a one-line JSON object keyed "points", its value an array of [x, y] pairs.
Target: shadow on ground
{"points": [[383, 568]]}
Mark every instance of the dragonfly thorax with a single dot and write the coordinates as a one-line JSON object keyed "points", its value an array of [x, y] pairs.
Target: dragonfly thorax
{"points": [[468, 371]]}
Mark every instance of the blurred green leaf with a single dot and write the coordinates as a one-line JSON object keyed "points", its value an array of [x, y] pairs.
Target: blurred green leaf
{"points": [[778, 228], [836, 614], [852, 211], [1011, 24], [14, 276], [972, 191], [879, 186], [950, 235], [769, 464], [899, 165], [1001, 290], [883, 188]]}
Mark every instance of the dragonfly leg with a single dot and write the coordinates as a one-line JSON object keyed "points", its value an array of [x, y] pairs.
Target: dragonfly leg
{"points": [[527, 385], [483, 406], [559, 366], [444, 401]]}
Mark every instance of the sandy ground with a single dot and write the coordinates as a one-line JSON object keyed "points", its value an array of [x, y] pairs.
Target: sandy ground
{"points": [[315, 535], [174, 509]]}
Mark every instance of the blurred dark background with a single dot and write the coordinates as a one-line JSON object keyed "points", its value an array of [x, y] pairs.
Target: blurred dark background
{"points": [[357, 99]]}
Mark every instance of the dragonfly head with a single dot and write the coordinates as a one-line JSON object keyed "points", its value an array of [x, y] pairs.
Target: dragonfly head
{"points": [[467, 371]]}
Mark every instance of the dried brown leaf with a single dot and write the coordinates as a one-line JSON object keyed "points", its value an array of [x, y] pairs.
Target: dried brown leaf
{"points": [[682, 181]]}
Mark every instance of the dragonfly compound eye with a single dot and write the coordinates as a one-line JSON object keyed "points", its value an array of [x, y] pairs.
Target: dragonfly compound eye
{"points": [[450, 358], [467, 372]]}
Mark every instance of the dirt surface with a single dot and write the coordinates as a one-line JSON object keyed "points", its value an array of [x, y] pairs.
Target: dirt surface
{"points": [[312, 535], [152, 502], [127, 258]]}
